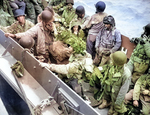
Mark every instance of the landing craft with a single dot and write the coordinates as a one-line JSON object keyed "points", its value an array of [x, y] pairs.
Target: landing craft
{"points": [[40, 88]]}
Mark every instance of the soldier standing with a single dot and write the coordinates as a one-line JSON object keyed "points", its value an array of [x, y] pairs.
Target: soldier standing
{"points": [[80, 11], [108, 41], [95, 24], [68, 14]]}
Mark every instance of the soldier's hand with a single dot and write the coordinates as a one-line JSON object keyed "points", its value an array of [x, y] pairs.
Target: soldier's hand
{"points": [[134, 40], [136, 103], [45, 65], [146, 92], [97, 50], [10, 35]]}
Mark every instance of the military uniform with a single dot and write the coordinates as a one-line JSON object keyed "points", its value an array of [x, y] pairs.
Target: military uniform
{"points": [[142, 84], [95, 24], [33, 10], [107, 42], [43, 39], [17, 4], [140, 58], [17, 28], [113, 83], [55, 2]]}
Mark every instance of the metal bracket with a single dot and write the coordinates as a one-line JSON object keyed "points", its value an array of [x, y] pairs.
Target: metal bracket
{"points": [[124, 50], [8, 47]]}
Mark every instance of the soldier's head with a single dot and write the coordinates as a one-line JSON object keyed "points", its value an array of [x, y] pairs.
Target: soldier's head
{"points": [[109, 22], [75, 27], [146, 30], [47, 16], [70, 3], [50, 8], [26, 42], [80, 11], [100, 6], [118, 58], [19, 16]]}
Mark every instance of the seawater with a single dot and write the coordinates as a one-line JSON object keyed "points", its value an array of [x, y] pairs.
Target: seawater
{"points": [[130, 15]]}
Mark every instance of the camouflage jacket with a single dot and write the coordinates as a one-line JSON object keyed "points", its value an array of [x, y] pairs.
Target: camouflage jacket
{"points": [[140, 55], [17, 28], [77, 65], [68, 16], [142, 84]]}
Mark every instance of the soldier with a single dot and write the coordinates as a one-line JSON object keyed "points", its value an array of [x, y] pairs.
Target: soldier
{"points": [[68, 14], [79, 68], [141, 93], [43, 33], [112, 81], [140, 58], [95, 24], [33, 10], [108, 41], [57, 5], [21, 24], [80, 11], [17, 4]]}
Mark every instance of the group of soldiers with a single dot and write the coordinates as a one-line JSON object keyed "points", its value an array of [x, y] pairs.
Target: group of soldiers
{"points": [[84, 50]]}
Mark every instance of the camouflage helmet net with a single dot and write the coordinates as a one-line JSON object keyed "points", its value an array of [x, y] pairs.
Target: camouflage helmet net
{"points": [[74, 41]]}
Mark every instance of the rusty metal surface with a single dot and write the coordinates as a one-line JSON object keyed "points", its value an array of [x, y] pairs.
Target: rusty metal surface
{"points": [[127, 45]]}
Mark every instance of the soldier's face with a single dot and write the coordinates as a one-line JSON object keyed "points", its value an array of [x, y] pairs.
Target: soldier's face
{"points": [[75, 28], [107, 26], [69, 6], [21, 19]]}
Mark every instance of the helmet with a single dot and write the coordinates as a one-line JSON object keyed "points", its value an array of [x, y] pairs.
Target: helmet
{"points": [[100, 6], [147, 29], [118, 58], [80, 10], [18, 12], [109, 20], [49, 8], [26, 42], [46, 16], [70, 2]]}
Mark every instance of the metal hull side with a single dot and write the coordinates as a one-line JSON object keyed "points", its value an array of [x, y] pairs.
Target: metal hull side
{"points": [[48, 80]]}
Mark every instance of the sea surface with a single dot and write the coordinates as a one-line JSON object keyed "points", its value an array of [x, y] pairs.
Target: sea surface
{"points": [[130, 15]]}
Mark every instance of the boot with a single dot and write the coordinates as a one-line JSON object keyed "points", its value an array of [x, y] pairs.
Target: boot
{"points": [[104, 104]]}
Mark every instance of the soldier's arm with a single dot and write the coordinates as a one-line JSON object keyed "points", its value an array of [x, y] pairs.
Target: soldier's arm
{"points": [[125, 87], [137, 88], [11, 29], [147, 49], [118, 41], [84, 25], [97, 41], [31, 32], [62, 69]]}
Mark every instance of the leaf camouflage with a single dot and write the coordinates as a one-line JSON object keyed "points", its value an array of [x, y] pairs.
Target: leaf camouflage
{"points": [[74, 41]]}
